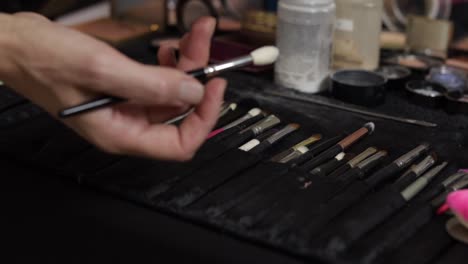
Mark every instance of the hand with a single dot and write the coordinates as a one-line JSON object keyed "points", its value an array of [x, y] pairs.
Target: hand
{"points": [[57, 67]]}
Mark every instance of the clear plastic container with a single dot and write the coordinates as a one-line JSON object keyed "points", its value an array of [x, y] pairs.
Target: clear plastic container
{"points": [[304, 38], [357, 34]]}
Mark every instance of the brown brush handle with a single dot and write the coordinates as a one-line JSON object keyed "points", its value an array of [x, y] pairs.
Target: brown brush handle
{"points": [[351, 139]]}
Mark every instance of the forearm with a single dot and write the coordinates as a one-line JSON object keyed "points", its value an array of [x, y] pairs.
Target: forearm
{"points": [[8, 46]]}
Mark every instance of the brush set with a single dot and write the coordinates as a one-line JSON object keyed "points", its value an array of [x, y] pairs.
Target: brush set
{"points": [[343, 191]]}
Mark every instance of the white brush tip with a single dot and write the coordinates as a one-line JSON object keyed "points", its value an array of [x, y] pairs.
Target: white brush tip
{"points": [[370, 126], [265, 55], [233, 106], [255, 112], [340, 156]]}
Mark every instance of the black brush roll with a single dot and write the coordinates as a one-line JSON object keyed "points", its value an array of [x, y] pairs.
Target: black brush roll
{"points": [[223, 198], [256, 205], [429, 242], [458, 253], [9, 99], [359, 220], [88, 163], [303, 206], [205, 180], [61, 148], [25, 130], [148, 178], [392, 233]]}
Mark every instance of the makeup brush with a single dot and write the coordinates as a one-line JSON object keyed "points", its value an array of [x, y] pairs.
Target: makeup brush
{"points": [[325, 169], [355, 223], [453, 187], [398, 165], [353, 162], [236, 129], [419, 184], [253, 131], [415, 171], [297, 150], [266, 144], [314, 151], [252, 113], [360, 170], [259, 57], [339, 147]]}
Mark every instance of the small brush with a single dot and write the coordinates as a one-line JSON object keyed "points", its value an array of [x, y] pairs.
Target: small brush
{"points": [[259, 57]]}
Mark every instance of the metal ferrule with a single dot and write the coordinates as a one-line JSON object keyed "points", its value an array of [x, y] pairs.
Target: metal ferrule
{"points": [[424, 165], [371, 159], [453, 178], [417, 186], [282, 133], [237, 122], [293, 155], [364, 155], [228, 65], [460, 184], [265, 124], [308, 141], [410, 156], [434, 171]]}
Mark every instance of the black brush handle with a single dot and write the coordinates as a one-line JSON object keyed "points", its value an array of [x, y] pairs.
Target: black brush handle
{"points": [[340, 171], [90, 105], [383, 175], [404, 182], [317, 149], [322, 158], [240, 139], [260, 148], [233, 130]]}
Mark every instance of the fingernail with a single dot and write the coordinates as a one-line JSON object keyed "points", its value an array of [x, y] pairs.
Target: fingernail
{"points": [[191, 91]]}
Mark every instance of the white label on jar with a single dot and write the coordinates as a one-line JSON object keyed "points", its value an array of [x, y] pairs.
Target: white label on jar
{"points": [[344, 25]]}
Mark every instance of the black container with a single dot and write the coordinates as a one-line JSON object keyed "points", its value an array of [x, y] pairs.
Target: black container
{"points": [[456, 105], [359, 87], [397, 76], [426, 93]]}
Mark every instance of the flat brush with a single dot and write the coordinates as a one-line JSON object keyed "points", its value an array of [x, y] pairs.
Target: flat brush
{"points": [[252, 113], [415, 171], [419, 184], [297, 150], [316, 150], [398, 165], [266, 144], [259, 57], [353, 162], [253, 131], [339, 147]]}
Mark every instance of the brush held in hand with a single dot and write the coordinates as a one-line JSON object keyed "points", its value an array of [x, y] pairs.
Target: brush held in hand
{"points": [[259, 57]]}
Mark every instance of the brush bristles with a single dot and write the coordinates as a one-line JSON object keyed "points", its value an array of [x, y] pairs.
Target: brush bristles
{"points": [[264, 55], [233, 106], [340, 156], [255, 112], [295, 126], [370, 127]]}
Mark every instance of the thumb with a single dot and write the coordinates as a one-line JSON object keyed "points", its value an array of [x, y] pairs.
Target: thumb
{"points": [[153, 85]]}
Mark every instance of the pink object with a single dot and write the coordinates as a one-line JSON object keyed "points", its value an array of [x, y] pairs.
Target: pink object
{"points": [[463, 170], [458, 202], [215, 132]]}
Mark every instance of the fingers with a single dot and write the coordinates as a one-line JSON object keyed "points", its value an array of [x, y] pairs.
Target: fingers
{"points": [[170, 142], [166, 56], [147, 85], [195, 46]]}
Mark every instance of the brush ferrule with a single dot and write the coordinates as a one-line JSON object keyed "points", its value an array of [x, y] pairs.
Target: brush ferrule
{"points": [[364, 155], [267, 123], [237, 122], [282, 133], [434, 172], [410, 156], [228, 65], [423, 165], [453, 178], [371, 159]]}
